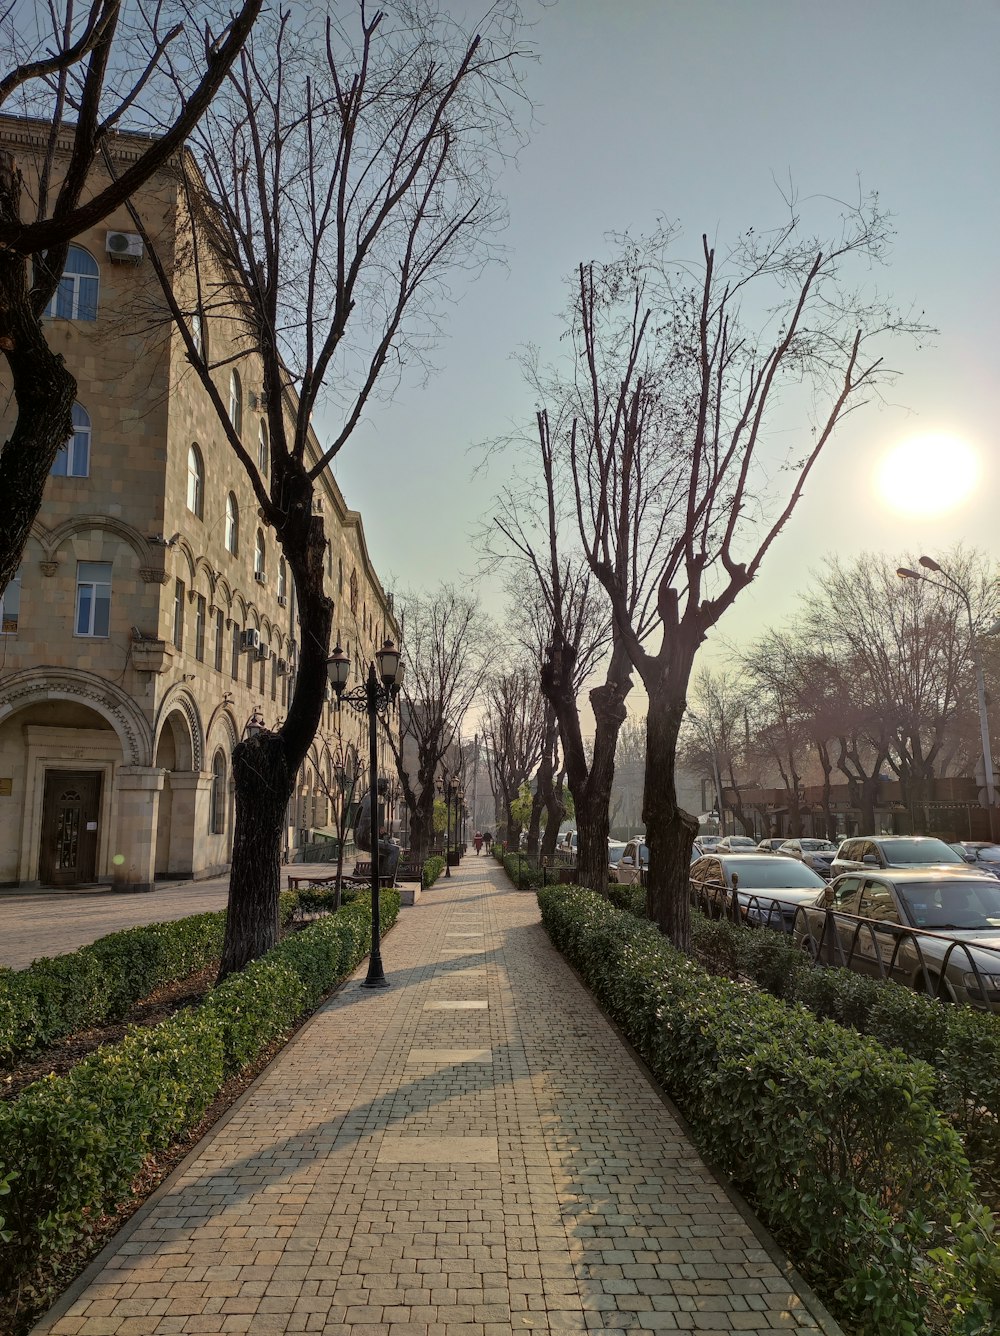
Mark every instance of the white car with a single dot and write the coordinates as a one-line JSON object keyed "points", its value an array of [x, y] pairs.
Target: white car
{"points": [[633, 864]]}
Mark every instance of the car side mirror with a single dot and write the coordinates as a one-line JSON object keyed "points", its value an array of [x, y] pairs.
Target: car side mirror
{"points": [[627, 861], [870, 858], [828, 897]]}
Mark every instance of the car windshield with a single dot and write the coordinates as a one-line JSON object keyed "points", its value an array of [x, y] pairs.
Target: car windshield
{"points": [[943, 905], [989, 854], [741, 842], [615, 852], [761, 874], [918, 851], [816, 846]]}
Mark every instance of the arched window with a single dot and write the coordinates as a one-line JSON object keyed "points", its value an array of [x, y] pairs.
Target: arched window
{"points": [[232, 525], [73, 459], [76, 296], [259, 555], [263, 458], [196, 482], [236, 402], [354, 593], [282, 581], [340, 576], [217, 797]]}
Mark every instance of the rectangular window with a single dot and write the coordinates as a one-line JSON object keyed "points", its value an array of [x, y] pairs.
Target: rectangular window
{"points": [[178, 614], [220, 627], [10, 605], [199, 628], [249, 667], [274, 676], [93, 598], [236, 652]]}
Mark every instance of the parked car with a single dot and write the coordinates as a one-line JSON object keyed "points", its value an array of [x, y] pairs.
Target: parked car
{"points": [[772, 844], [769, 887], [633, 864], [983, 854], [817, 854], [873, 914], [705, 844], [731, 844], [891, 851], [567, 843], [615, 850]]}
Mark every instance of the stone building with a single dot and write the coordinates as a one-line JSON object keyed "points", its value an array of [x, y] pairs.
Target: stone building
{"points": [[153, 616]]}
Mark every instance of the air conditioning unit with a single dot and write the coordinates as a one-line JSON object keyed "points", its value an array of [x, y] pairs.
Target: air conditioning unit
{"points": [[259, 577], [124, 246], [282, 601], [282, 667], [263, 653], [250, 638]]}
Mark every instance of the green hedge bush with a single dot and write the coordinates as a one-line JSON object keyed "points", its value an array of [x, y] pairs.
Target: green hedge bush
{"points": [[432, 870], [961, 1044], [835, 1139], [70, 1146], [59, 995]]}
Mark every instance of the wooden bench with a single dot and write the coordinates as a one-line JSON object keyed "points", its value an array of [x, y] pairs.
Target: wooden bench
{"points": [[297, 882]]}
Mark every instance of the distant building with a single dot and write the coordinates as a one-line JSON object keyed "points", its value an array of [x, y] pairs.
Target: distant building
{"points": [[152, 614]]}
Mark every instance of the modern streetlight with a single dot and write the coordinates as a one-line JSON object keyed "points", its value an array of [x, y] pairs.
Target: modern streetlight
{"points": [[952, 586], [376, 696]]}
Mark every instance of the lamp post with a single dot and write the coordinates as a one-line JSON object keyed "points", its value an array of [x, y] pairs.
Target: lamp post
{"points": [[376, 696], [951, 585]]}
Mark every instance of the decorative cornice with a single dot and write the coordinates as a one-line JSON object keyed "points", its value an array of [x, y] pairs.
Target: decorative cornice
{"points": [[149, 575], [48, 567]]}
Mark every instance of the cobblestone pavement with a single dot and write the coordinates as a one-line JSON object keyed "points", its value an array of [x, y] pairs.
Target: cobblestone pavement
{"points": [[49, 923], [471, 1152]]}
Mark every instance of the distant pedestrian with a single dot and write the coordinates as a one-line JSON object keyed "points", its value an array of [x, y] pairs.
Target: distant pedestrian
{"points": [[488, 841], [478, 842]]}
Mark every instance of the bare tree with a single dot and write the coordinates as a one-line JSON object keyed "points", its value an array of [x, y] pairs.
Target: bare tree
{"points": [[513, 725], [674, 458], [343, 178], [342, 793], [445, 650], [579, 639], [908, 643], [716, 742], [83, 74]]}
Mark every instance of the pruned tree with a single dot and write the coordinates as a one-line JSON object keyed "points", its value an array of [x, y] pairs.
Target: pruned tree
{"points": [[83, 74], [342, 180], [578, 643], [445, 650], [715, 742], [674, 457], [512, 724]]}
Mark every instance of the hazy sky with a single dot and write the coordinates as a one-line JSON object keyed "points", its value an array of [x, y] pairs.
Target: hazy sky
{"points": [[690, 110]]}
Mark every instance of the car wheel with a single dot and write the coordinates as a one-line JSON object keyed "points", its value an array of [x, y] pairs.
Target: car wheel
{"points": [[810, 949]]}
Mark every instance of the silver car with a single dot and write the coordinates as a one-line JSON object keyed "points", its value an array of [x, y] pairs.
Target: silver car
{"points": [[817, 854], [769, 887], [633, 864], [929, 928]]}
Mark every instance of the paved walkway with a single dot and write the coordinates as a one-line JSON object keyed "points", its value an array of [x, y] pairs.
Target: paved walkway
{"points": [[472, 1152], [50, 923]]}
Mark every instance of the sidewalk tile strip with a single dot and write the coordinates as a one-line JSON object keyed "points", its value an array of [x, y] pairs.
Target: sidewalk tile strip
{"points": [[489, 1163]]}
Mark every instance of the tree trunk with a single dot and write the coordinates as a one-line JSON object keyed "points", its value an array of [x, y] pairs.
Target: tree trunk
{"points": [[44, 391], [263, 787], [264, 767], [670, 831], [590, 784]]}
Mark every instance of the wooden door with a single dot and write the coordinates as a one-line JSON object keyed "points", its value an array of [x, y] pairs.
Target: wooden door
{"points": [[70, 817]]}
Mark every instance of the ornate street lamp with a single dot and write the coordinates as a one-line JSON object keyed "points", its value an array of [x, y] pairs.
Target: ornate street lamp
{"points": [[375, 697]]}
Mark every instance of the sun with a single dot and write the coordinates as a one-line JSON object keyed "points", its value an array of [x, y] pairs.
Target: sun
{"points": [[929, 474]]}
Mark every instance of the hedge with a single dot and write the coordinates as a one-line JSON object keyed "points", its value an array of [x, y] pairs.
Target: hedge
{"points": [[834, 1139], [961, 1044], [58, 995], [432, 870], [71, 1146]]}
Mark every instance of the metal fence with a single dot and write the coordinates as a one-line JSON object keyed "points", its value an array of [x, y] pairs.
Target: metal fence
{"points": [[935, 963]]}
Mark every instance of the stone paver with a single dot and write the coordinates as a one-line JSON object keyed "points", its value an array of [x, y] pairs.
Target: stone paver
{"points": [[339, 1198], [50, 923]]}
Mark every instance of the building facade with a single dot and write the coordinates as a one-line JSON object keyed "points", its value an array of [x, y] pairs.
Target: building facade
{"points": [[153, 615]]}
